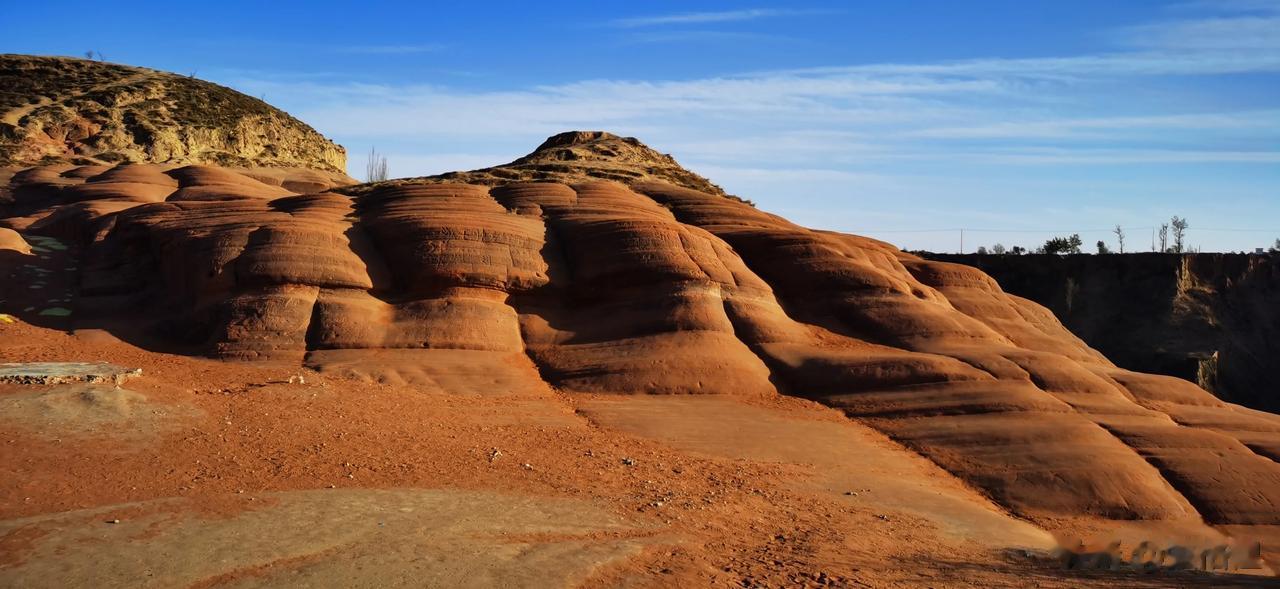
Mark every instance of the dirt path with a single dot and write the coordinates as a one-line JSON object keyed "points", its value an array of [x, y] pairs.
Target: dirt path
{"points": [[341, 537]]}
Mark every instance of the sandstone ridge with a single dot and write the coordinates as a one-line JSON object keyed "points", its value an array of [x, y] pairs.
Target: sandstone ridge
{"points": [[596, 265]]}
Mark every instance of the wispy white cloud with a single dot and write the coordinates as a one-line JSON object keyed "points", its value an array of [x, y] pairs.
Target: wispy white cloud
{"points": [[1226, 6], [691, 18], [1112, 157], [712, 106], [1233, 33], [387, 49], [700, 36], [1193, 61], [1244, 122], [880, 103]]}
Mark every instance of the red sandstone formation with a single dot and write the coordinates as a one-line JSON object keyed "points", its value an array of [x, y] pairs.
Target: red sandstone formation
{"points": [[651, 281]]}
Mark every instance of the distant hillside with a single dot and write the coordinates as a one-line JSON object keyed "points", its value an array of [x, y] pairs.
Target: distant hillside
{"points": [[66, 110]]}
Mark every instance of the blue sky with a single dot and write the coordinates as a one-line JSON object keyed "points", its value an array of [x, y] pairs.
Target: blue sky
{"points": [[902, 120]]}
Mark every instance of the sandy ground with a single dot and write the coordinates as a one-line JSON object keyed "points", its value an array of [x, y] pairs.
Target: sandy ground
{"points": [[212, 474]]}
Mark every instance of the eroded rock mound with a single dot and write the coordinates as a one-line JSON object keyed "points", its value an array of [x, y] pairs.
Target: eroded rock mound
{"points": [[65, 110], [575, 156], [651, 285]]}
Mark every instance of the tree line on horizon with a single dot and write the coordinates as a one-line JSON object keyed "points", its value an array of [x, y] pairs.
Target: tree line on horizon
{"points": [[1176, 229]]}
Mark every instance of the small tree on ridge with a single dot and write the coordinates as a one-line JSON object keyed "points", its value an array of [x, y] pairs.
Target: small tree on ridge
{"points": [[1063, 245], [1180, 226]]}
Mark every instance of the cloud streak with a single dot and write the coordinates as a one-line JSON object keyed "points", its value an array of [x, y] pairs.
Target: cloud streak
{"points": [[387, 49], [1236, 33], [988, 99], [701, 36], [699, 18]]}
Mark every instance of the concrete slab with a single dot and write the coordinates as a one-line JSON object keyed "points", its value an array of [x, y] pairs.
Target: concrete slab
{"points": [[65, 372]]}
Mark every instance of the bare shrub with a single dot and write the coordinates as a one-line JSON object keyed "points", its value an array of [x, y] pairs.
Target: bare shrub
{"points": [[375, 169]]}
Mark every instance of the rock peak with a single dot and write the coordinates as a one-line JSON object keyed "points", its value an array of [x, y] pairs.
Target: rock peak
{"points": [[571, 138], [581, 156], [598, 146]]}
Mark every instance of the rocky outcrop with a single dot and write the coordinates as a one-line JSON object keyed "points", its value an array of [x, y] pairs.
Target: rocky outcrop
{"points": [[65, 110], [575, 156], [13, 241], [645, 283], [1212, 319]]}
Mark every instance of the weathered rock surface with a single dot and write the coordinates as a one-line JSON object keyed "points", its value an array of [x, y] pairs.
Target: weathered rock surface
{"points": [[647, 282], [65, 110]]}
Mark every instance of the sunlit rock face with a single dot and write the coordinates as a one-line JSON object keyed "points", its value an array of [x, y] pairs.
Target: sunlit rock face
{"points": [[67, 110], [597, 265]]}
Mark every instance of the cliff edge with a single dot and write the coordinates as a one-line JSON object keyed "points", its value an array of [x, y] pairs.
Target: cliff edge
{"points": [[1207, 318]]}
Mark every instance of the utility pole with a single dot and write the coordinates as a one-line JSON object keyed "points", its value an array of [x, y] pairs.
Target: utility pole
{"points": [[962, 241]]}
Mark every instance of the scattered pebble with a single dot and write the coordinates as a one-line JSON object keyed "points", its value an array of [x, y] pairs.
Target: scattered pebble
{"points": [[629, 461]]}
